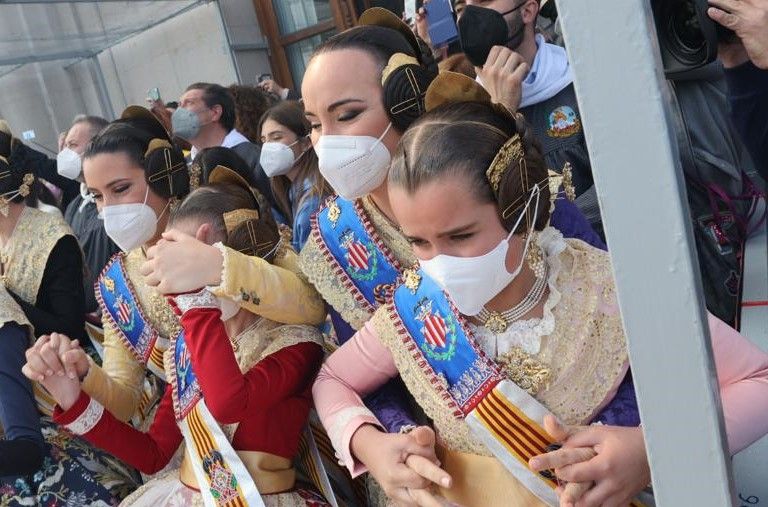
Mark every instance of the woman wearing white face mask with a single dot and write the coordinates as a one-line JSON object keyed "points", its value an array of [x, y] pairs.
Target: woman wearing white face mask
{"points": [[41, 293], [134, 173], [288, 158], [506, 324], [362, 89]]}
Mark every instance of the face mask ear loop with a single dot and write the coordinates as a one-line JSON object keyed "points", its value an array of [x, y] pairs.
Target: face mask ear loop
{"points": [[535, 192], [381, 137]]}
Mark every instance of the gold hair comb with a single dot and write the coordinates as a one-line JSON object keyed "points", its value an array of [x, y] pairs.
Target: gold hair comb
{"points": [[232, 219]]}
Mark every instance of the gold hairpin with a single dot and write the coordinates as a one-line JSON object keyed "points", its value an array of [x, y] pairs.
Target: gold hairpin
{"points": [[395, 62], [511, 150], [512, 207], [156, 144], [232, 219]]}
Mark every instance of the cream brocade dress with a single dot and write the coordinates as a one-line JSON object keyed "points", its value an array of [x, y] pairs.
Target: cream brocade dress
{"points": [[572, 360]]}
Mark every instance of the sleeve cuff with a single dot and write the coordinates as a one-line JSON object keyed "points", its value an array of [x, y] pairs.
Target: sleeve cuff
{"points": [[81, 417], [202, 299], [345, 423]]}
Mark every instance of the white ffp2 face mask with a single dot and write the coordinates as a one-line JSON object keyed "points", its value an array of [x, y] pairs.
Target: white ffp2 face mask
{"points": [[473, 281], [277, 158], [353, 165], [130, 225], [68, 164]]}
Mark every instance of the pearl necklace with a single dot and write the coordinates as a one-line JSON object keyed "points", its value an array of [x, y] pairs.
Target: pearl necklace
{"points": [[498, 322]]}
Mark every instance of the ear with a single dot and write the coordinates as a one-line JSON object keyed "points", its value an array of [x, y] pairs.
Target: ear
{"points": [[217, 112], [530, 11], [203, 233]]}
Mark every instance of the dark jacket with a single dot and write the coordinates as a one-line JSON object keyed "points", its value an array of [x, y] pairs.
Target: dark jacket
{"points": [[748, 97], [97, 247]]}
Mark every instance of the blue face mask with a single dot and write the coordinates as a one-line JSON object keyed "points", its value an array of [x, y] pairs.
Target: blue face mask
{"points": [[185, 123]]}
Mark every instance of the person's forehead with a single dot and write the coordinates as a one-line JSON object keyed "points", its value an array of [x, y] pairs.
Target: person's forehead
{"points": [[192, 96], [329, 77], [79, 132]]}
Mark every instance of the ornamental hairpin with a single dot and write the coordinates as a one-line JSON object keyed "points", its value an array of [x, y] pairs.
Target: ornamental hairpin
{"points": [[511, 150], [23, 190]]}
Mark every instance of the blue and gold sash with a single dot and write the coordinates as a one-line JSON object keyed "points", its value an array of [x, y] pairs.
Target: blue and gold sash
{"points": [[121, 306], [362, 262], [507, 419], [224, 479]]}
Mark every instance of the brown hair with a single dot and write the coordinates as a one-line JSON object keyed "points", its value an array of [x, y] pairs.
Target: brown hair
{"points": [[209, 204], [290, 115], [250, 104], [464, 138], [458, 63]]}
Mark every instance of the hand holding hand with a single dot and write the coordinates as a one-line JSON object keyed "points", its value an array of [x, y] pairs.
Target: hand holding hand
{"points": [[619, 468], [404, 465], [45, 356]]}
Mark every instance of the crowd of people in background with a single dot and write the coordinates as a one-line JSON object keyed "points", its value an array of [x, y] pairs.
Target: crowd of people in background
{"points": [[390, 287]]}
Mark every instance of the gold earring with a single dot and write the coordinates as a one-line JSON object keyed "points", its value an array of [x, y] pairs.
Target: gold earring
{"points": [[535, 257]]}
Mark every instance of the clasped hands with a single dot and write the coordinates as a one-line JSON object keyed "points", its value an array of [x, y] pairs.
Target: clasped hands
{"points": [[596, 465]]}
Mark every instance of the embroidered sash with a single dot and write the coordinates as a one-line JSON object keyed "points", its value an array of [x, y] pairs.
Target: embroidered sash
{"points": [[507, 419], [360, 259], [120, 304], [223, 478]]}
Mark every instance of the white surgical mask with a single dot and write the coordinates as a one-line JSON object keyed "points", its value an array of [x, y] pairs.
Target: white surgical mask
{"points": [[353, 165], [130, 225], [228, 308], [277, 159], [473, 281], [68, 164]]}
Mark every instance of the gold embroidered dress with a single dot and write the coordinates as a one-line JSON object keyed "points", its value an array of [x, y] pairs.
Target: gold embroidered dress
{"points": [[313, 261]]}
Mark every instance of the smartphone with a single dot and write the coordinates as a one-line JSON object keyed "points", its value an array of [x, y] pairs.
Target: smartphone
{"points": [[154, 93], [442, 24], [410, 11], [263, 77]]}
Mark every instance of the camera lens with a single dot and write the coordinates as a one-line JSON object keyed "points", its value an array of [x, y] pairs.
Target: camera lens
{"points": [[685, 26], [683, 33]]}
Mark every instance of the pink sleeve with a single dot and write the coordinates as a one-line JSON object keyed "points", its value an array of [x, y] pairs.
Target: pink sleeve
{"points": [[742, 372], [357, 368]]}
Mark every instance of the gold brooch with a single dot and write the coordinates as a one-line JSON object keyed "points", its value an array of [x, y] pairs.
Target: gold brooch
{"points": [[528, 373], [334, 212], [411, 280], [496, 323]]}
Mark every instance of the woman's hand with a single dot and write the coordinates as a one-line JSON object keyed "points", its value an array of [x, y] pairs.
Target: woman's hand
{"points": [[619, 468], [64, 388], [180, 263], [404, 465]]}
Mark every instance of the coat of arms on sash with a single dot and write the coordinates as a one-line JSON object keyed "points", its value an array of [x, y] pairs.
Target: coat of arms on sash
{"points": [[361, 258], [439, 332], [124, 314]]}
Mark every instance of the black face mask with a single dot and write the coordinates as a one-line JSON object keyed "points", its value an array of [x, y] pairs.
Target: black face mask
{"points": [[481, 28]]}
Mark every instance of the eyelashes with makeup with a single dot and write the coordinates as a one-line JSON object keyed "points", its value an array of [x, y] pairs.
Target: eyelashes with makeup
{"points": [[348, 116]]}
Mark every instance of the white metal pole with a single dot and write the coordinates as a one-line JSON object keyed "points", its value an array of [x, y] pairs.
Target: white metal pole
{"points": [[613, 51]]}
